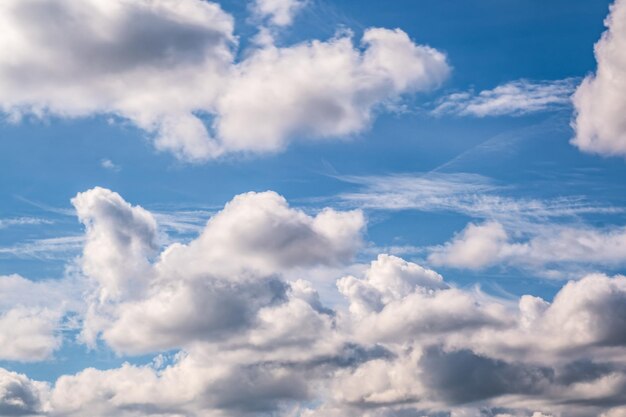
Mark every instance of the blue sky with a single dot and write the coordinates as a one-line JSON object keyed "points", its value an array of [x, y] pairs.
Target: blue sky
{"points": [[480, 168]]}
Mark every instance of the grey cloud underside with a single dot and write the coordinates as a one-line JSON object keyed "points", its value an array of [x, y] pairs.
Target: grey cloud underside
{"points": [[18, 395], [151, 40]]}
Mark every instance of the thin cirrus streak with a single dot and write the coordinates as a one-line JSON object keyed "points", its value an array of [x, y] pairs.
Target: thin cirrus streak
{"points": [[44, 248], [23, 221], [470, 194], [514, 98]]}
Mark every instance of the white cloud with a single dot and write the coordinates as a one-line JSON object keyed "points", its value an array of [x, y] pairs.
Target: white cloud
{"points": [[32, 315], [453, 347], [397, 298], [110, 165], [150, 62], [28, 334], [278, 12], [482, 245], [475, 247], [513, 98], [119, 239], [321, 89], [169, 67], [426, 341], [214, 287], [600, 100]]}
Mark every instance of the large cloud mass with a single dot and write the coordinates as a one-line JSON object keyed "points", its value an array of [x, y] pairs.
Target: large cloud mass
{"points": [[235, 334], [169, 67], [601, 98]]}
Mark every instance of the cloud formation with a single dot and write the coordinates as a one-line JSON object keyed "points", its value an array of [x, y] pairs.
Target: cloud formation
{"points": [[487, 244], [32, 315], [600, 99], [235, 334], [320, 90], [514, 98], [20, 396], [214, 287], [169, 67]]}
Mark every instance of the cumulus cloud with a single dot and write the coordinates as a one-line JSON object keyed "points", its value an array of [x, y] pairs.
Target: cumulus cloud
{"points": [[522, 358], [169, 67], [398, 298], [513, 98], [119, 240], [321, 89], [216, 287], [20, 396], [599, 101], [482, 245], [28, 334], [31, 314]]}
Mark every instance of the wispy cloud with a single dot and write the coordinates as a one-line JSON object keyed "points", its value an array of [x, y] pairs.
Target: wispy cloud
{"points": [[49, 248], [473, 195], [21, 221], [513, 98], [110, 165]]}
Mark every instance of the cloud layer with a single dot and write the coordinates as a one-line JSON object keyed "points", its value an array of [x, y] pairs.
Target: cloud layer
{"points": [[169, 68], [233, 333]]}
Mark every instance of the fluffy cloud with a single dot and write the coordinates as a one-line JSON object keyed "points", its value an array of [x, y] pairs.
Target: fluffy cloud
{"points": [[513, 98], [28, 334], [20, 396], [321, 89], [31, 314], [600, 104], [169, 67], [120, 238], [482, 245], [150, 62], [217, 287], [522, 358]]}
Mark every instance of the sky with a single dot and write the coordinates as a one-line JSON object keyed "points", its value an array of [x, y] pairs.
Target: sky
{"points": [[312, 208]]}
